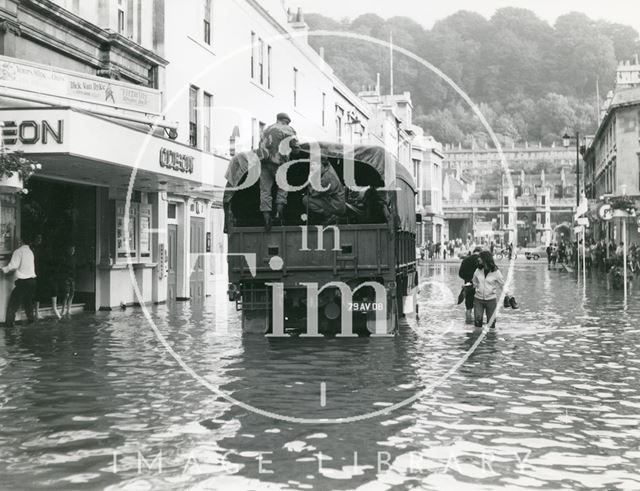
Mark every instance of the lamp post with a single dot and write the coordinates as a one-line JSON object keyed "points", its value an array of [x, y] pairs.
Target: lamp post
{"points": [[566, 142]]}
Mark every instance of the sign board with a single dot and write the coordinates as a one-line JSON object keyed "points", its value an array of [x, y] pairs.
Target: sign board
{"points": [[605, 212], [75, 86]]}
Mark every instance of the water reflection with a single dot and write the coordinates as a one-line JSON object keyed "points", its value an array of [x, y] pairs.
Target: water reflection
{"points": [[549, 399]]}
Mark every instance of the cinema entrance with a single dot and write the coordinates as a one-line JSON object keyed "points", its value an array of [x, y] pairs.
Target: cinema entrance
{"points": [[64, 215]]}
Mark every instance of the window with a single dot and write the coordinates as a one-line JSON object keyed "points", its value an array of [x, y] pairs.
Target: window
{"points": [[253, 54], [121, 16], [172, 211], [268, 67], [324, 107], [261, 61], [193, 116], [207, 21], [206, 130], [295, 87], [339, 116]]}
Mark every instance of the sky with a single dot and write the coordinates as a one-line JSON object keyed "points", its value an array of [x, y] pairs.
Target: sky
{"points": [[426, 12]]}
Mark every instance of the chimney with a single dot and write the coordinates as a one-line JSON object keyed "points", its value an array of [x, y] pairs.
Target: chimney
{"points": [[322, 52], [299, 26]]}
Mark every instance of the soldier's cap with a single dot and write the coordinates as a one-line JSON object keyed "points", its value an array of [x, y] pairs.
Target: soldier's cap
{"points": [[283, 117]]}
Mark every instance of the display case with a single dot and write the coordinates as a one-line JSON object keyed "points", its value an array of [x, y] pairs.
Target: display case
{"points": [[8, 223], [139, 221], [126, 251]]}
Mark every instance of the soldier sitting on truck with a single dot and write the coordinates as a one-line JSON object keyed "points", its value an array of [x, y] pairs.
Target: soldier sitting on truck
{"points": [[325, 206], [271, 156]]}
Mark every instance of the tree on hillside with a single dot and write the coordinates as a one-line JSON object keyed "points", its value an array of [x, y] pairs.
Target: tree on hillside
{"points": [[533, 80]]}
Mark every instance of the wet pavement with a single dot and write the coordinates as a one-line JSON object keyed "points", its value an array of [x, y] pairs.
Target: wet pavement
{"points": [[550, 399]]}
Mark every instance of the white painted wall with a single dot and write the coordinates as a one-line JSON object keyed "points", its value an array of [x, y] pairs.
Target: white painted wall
{"points": [[223, 69]]}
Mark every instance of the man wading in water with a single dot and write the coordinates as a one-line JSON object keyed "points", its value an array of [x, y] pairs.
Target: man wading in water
{"points": [[466, 272]]}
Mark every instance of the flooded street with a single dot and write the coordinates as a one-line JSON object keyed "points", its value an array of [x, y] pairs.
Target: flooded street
{"points": [[550, 399]]}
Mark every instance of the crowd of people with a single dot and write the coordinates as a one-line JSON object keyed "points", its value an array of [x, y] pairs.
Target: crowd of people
{"points": [[601, 258], [599, 255], [450, 248]]}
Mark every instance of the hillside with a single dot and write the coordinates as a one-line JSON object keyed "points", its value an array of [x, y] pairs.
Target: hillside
{"points": [[532, 80]]}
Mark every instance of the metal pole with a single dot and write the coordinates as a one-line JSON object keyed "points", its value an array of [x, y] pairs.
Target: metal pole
{"points": [[584, 255], [578, 254], [624, 254], [578, 169]]}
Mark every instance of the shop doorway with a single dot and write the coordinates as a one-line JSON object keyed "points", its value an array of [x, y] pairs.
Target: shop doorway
{"points": [[172, 263], [64, 214], [196, 260]]}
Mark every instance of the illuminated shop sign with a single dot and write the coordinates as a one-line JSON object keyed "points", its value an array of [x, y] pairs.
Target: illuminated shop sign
{"points": [[31, 132], [176, 161]]}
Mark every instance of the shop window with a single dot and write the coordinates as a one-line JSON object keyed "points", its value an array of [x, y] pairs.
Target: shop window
{"points": [[124, 250], [144, 242], [172, 211], [8, 220]]}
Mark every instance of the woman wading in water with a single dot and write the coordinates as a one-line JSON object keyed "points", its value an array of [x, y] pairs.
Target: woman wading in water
{"points": [[487, 280]]}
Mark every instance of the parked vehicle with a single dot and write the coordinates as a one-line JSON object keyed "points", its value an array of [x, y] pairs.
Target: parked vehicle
{"points": [[377, 246], [535, 253], [504, 254]]}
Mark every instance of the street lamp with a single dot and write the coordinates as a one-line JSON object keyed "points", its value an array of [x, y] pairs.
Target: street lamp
{"points": [[566, 142]]}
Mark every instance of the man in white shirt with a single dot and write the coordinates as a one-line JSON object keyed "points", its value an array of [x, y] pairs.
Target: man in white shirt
{"points": [[23, 264]]}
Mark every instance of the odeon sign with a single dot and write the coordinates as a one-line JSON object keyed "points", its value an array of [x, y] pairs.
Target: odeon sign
{"points": [[31, 132], [176, 161]]}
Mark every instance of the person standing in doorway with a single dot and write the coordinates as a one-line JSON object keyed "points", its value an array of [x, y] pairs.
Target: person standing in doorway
{"points": [[23, 264], [67, 279], [276, 143]]}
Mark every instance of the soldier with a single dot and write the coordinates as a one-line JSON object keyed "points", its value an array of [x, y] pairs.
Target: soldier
{"points": [[276, 144]]}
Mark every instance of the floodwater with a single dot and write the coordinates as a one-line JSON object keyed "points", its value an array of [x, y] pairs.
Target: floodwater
{"points": [[550, 399]]}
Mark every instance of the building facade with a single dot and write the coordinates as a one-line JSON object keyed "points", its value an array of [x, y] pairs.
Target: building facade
{"points": [[612, 160], [149, 96]]}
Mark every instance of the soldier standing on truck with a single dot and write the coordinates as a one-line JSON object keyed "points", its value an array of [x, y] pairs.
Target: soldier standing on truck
{"points": [[271, 157]]}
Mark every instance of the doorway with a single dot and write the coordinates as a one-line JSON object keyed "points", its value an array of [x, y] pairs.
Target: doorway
{"points": [[172, 262], [197, 247], [64, 214]]}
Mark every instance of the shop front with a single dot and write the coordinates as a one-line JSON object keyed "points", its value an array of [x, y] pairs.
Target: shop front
{"points": [[151, 247]]}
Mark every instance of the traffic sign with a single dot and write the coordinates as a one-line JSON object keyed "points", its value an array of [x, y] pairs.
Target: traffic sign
{"points": [[605, 212]]}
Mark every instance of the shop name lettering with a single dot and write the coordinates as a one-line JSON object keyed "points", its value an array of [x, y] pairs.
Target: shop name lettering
{"points": [[32, 132], [176, 161]]}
